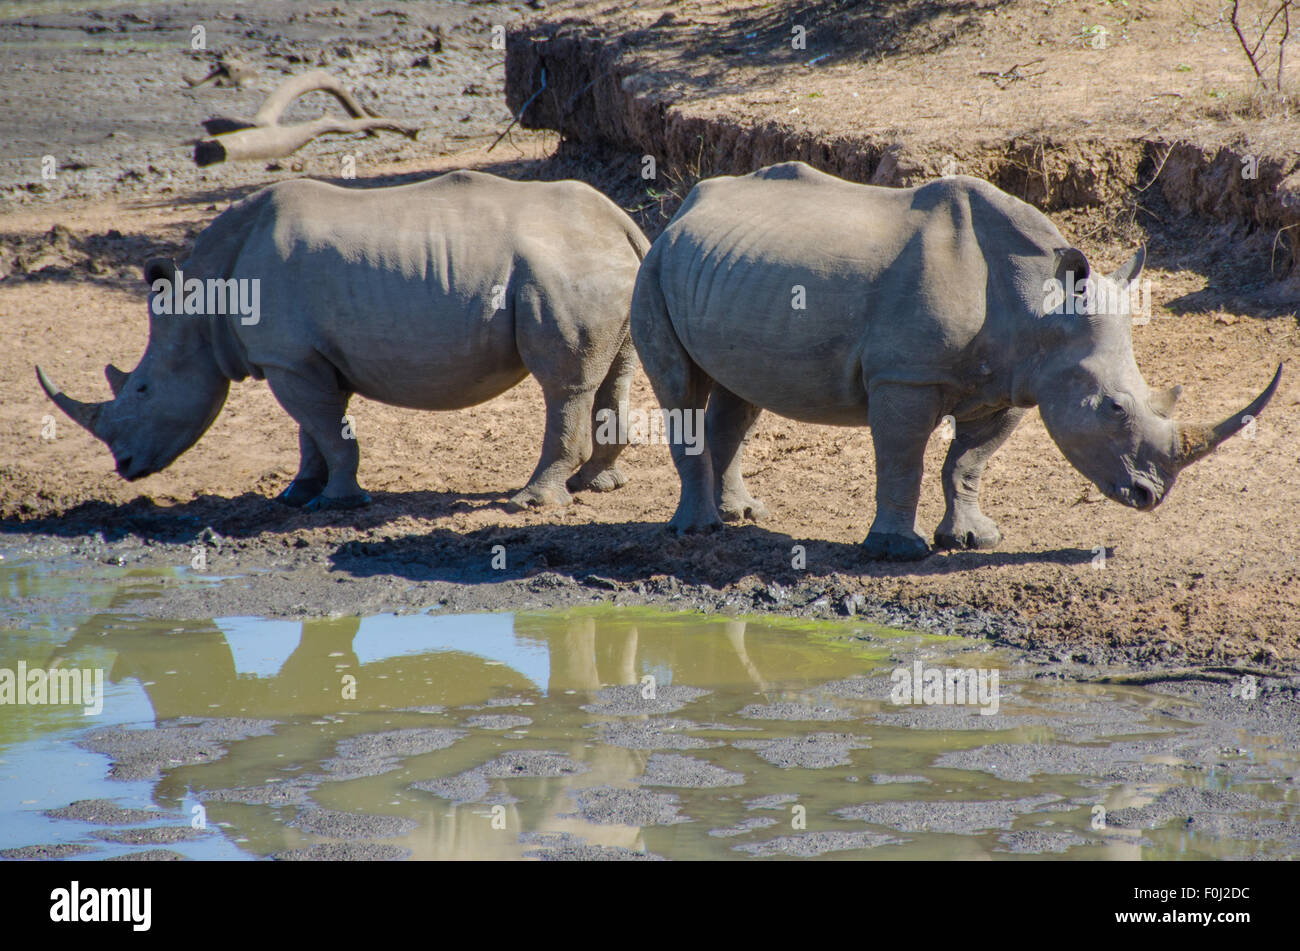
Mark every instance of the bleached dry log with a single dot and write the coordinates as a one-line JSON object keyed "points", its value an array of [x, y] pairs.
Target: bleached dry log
{"points": [[234, 140]]}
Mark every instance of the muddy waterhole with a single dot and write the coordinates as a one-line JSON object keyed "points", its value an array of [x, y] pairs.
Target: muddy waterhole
{"points": [[609, 733]]}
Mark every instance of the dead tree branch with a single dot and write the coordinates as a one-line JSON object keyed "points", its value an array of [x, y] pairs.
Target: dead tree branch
{"points": [[235, 140]]}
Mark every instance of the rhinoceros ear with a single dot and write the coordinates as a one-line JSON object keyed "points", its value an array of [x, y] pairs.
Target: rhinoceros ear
{"points": [[1130, 270], [1070, 262], [1163, 401], [159, 269]]}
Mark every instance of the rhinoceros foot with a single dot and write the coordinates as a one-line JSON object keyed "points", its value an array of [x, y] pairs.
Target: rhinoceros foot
{"points": [[737, 508], [977, 531], [301, 491], [606, 480], [880, 546], [537, 496], [323, 503], [696, 515]]}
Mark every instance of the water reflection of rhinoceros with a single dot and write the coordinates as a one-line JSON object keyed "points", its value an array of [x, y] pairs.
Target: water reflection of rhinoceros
{"points": [[299, 674]]}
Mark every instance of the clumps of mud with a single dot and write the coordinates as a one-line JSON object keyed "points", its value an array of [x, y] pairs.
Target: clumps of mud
{"points": [[289, 793], [495, 702], [662, 733], [626, 700], [814, 751], [58, 254], [775, 801], [467, 787], [566, 847], [686, 772], [1019, 762], [1038, 841], [374, 753], [611, 805], [104, 812], [881, 779], [45, 853], [497, 721], [143, 754], [1196, 808], [858, 688], [149, 855], [949, 717], [351, 825], [793, 712], [811, 844], [158, 835], [344, 852], [473, 785], [954, 818], [744, 826]]}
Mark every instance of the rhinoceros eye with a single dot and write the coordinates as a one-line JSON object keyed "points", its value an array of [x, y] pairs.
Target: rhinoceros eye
{"points": [[142, 388]]}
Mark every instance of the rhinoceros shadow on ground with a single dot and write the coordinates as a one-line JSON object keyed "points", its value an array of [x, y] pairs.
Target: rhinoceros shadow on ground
{"points": [[631, 552], [247, 515], [624, 552]]}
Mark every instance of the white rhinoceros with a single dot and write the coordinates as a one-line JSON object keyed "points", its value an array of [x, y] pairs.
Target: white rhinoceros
{"points": [[435, 295], [830, 302]]}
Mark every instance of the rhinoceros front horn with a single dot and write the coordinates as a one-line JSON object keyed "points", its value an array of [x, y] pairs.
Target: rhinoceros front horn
{"points": [[1198, 440], [84, 414]]}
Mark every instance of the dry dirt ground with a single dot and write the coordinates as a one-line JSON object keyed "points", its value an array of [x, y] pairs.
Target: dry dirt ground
{"points": [[1210, 576]]}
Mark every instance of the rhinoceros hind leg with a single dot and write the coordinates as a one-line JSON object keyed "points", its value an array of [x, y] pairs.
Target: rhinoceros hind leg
{"points": [[323, 503], [565, 446], [312, 475], [608, 479], [301, 491], [599, 473], [729, 423], [883, 546], [682, 385]]}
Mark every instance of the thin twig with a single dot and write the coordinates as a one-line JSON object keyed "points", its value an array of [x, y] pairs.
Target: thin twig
{"points": [[523, 109]]}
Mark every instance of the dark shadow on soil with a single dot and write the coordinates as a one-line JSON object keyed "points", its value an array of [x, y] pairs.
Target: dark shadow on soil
{"points": [[834, 32], [610, 555], [615, 553]]}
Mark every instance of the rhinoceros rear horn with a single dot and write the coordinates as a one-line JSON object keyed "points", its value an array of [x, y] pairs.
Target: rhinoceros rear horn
{"points": [[116, 378], [1198, 440], [83, 414]]}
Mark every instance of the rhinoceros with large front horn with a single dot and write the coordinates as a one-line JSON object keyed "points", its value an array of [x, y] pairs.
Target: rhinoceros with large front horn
{"points": [[435, 295], [830, 302]]}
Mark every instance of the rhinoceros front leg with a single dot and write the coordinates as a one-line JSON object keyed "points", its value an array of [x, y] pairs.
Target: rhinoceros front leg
{"points": [[316, 403], [964, 525], [312, 474], [729, 424], [901, 419]]}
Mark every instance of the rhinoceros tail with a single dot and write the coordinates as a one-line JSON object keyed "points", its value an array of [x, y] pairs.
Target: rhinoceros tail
{"points": [[640, 243]]}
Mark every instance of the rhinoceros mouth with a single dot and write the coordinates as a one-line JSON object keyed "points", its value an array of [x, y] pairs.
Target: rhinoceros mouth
{"points": [[132, 471]]}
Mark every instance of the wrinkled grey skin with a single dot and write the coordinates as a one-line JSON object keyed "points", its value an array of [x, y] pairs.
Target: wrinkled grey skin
{"points": [[388, 292], [920, 303]]}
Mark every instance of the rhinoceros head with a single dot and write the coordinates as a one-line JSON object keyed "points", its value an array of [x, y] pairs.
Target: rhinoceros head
{"points": [[1096, 406], [165, 404]]}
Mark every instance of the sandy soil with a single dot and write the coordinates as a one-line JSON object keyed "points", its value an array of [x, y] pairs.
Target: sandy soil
{"points": [[1209, 576]]}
